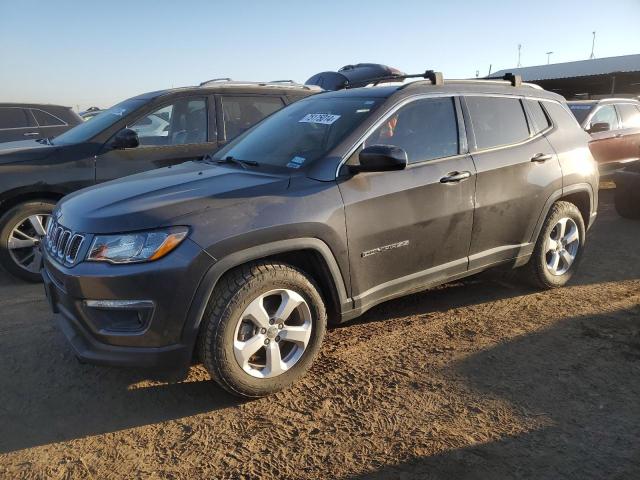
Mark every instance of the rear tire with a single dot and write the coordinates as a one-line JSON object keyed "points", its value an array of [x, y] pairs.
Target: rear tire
{"points": [[559, 248], [262, 329], [24, 224]]}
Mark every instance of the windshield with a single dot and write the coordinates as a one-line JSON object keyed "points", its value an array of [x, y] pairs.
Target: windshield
{"points": [[301, 133], [580, 110], [87, 130]]}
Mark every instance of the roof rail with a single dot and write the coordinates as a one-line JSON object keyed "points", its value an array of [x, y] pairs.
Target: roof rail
{"points": [[213, 80], [274, 83]]}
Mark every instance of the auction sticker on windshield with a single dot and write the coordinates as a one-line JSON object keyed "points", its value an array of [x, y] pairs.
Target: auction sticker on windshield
{"points": [[322, 118]]}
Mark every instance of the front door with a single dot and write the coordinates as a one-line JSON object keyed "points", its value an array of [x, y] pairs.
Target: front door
{"points": [[170, 134], [409, 228], [606, 146]]}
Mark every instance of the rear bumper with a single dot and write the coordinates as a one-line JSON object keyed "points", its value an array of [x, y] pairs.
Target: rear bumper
{"points": [[131, 316]]}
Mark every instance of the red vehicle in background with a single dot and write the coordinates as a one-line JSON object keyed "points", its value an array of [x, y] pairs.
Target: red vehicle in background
{"points": [[614, 126]]}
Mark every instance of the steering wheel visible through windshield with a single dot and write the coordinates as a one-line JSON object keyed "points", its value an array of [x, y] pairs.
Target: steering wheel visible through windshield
{"points": [[301, 133]]}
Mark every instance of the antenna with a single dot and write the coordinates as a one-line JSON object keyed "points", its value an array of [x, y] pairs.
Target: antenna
{"points": [[593, 46], [519, 51], [490, 65], [548, 57]]}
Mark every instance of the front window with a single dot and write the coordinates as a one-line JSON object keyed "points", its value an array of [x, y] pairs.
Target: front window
{"points": [[301, 133], [87, 130], [183, 122]]}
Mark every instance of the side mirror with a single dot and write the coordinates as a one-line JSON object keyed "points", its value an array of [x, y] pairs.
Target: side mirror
{"points": [[380, 158], [599, 127], [125, 138]]}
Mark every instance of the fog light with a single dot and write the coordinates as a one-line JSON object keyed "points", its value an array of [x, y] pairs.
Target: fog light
{"points": [[118, 316]]}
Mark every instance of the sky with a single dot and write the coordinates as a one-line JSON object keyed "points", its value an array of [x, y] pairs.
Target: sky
{"points": [[83, 53]]}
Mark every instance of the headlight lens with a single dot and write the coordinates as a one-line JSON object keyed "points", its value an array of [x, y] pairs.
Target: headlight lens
{"points": [[136, 247]]}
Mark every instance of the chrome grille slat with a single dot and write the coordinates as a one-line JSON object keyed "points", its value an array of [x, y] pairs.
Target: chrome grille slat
{"points": [[63, 244]]}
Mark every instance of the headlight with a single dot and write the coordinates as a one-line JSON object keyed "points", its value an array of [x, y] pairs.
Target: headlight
{"points": [[136, 247]]}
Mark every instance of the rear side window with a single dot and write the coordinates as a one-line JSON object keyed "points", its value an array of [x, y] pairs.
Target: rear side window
{"points": [[241, 113], [425, 129], [45, 119], [13, 118], [497, 121], [630, 115], [540, 120]]}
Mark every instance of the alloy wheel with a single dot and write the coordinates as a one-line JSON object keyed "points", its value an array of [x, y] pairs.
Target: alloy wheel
{"points": [[24, 242], [272, 333], [562, 246]]}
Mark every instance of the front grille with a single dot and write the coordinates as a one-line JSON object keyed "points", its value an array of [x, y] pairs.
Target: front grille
{"points": [[62, 243]]}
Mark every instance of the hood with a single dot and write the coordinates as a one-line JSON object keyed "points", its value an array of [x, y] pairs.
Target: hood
{"points": [[163, 197], [24, 150]]}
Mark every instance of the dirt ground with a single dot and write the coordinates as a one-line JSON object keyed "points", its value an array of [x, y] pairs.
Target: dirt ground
{"points": [[480, 379]]}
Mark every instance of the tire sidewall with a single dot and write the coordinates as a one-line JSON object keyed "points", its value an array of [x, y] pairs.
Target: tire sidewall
{"points": [[8, 222], [560, 210], [227, 368]]}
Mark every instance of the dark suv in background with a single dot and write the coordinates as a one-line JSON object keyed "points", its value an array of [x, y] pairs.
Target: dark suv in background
{"points": [[614, 126], [152, 130], [31, 121], [330, 206]]}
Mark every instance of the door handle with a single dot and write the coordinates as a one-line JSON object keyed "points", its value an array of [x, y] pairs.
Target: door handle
{"points": [[541, 157], [455, 177], [30, 134], [618, 135]]}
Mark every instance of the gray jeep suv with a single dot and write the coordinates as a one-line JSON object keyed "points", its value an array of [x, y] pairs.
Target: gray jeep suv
{"points": [[334, 204]]}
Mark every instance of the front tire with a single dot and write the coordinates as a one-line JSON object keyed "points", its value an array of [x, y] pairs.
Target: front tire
{"points": [[262, 329], [21, 231], [559, 247]]}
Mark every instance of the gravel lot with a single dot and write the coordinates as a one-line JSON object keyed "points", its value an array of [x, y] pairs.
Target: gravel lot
{"points": [[478, 379]]}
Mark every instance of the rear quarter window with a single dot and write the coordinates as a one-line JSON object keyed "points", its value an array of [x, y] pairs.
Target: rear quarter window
{"points": [[538, 116], [497, 121]]}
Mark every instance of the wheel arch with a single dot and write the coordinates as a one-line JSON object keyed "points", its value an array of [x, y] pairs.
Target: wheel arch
{"points": [[10, 199], [580, 194], [310, 255]]}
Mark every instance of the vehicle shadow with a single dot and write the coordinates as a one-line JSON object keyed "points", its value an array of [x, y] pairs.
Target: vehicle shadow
{"points": [[579, 377], [47, 396]]}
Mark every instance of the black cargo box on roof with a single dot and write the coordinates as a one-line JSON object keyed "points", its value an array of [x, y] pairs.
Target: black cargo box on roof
{"points": [[352, 76]]}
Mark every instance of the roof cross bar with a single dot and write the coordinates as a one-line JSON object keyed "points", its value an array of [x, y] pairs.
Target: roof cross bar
{"points": [[435, 78], [516, 80]]}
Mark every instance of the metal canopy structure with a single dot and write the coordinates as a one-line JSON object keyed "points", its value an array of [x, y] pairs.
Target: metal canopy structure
{"points": [[618, 76]]}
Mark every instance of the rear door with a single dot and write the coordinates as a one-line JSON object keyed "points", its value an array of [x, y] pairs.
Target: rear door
{"points": [[238, 113], [630, 130], [517, 171], [170, 133], [411, 227], [16, 123]]}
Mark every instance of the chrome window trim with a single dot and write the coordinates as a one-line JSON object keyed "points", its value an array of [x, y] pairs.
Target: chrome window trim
{"points": [[394, 108]]}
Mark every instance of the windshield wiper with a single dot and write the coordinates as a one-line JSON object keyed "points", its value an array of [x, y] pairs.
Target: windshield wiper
{"points": [[243, 163]]}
